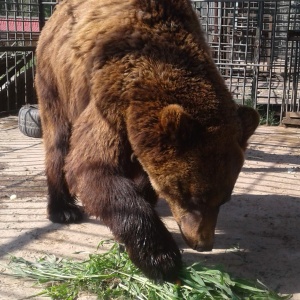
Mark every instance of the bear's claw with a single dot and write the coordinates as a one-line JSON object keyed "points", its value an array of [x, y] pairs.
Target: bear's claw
{"points": [[163, 266], [70, 213]]}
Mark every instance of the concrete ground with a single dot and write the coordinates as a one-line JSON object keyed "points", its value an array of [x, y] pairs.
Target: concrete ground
{"points": [[257, 233]]}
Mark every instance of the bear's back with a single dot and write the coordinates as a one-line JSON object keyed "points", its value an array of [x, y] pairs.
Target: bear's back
{"points": [[69, 42], [101, 42]]}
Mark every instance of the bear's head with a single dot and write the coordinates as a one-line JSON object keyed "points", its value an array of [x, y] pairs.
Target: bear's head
{"points": [[191, 163]]}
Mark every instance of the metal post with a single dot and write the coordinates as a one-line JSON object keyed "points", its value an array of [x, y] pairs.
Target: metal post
{"points": [[41, 15], [284, 105]]}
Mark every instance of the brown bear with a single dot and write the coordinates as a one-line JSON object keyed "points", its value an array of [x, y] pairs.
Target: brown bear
{"points": [[133, 108]]}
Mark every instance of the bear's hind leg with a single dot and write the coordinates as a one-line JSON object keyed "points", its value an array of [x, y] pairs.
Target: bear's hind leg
{"points": [[56, 135], [61, 204]]}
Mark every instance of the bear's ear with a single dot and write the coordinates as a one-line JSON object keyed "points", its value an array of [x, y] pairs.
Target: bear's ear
{"points": [[176, 124], [249, 120]]}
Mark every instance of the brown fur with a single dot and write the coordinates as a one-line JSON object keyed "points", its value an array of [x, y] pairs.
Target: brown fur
{"points": [[122, 79]]}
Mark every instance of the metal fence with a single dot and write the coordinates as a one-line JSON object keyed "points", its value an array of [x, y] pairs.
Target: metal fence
{"points": [[20, 24], [256, 45]]}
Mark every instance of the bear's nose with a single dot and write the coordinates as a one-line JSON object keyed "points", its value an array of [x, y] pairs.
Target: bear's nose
{"points": [[203, 248], [198, 236], [200, 246]]}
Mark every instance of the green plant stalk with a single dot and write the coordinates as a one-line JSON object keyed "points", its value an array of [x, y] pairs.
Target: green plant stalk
{"points": [[112, 275]]}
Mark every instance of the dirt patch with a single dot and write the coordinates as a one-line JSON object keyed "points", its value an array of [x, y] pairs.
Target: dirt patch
{"points": [[257, 232]]}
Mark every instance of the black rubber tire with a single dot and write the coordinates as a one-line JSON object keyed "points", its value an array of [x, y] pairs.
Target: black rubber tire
{"points": [[30, 121]]}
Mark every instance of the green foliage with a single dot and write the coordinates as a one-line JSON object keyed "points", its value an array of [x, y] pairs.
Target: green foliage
{"points": [[249, 102], [266, 118], [112, 276], [270, 119]]}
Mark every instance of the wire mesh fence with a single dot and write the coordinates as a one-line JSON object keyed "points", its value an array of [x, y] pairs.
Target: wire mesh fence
{"points": [[20, 24], [254, 43], [251, 46], [17, 78]]}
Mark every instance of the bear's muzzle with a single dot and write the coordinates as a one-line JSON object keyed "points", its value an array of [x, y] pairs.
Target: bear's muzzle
{"points": [[198, 229]]}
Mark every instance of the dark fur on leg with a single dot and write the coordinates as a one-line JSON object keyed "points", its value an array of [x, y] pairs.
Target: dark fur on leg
{"points": [[134, 223], [66, 213]]}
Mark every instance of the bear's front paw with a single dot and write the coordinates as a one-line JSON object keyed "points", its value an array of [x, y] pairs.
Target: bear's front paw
{"points": [[69, 213], [158, 264]]}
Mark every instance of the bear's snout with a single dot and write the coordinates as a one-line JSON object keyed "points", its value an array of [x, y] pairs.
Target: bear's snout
{"points": [[198, 231]]}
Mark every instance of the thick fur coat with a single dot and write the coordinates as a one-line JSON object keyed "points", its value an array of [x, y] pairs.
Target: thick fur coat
{"points": [[133, 108]]}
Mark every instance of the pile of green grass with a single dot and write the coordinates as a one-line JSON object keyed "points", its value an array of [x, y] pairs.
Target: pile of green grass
{"points": [[113, 276]]}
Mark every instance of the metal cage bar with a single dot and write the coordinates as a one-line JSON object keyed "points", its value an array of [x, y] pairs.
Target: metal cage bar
{"points": [[257, 60], [20, 24]]}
